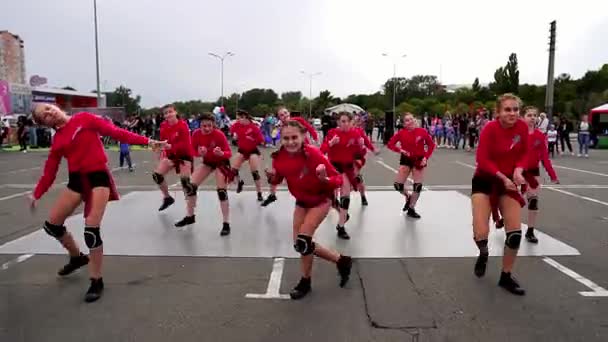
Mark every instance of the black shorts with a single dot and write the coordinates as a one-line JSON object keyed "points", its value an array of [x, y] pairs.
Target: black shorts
{"points": [[342, 167], [247, 154], [534, 172], [215, 165], [482, 184], [410, 162], [97, 179], [308, 205]]}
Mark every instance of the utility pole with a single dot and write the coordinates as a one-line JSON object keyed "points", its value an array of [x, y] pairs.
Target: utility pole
{"points": [[550, 73], [97, 53]]}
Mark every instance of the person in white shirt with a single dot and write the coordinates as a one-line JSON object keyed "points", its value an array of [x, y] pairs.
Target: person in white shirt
{"points": [[552, 139], [584, 133], [543, 123]]}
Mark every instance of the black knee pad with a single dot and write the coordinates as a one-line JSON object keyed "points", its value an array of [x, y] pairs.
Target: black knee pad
{"points": [[359, 178], [344, 202], [222, 194], [533, 203], [92, 237], [304, 244], [255, 175], [54, 230], [399, 187], [189, 188], [417, 187], [158, 178], [513, 239]]}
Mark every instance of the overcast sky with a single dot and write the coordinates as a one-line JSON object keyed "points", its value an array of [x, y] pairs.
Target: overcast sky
{"points": [[160, 48]]}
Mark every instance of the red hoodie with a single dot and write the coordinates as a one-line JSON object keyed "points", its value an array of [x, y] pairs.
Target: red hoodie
{"points": [[210, 141], [502, 149], [414, 142], [299, 170], [178, 136], [346, 150], [248, 136], [79, 141], [538, 151]]}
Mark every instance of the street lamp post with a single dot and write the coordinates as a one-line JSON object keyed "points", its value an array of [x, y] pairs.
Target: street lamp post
{"points": [[221, 58], [394, 80], [96, 53], [310, 76]]}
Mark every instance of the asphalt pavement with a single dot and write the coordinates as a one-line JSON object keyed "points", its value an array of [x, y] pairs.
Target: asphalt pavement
{"points": [[434, 298]]}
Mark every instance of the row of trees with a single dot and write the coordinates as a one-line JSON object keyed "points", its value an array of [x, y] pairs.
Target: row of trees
{"points": [[418, 94]]}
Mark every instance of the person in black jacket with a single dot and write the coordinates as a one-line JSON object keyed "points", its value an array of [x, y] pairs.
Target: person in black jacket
{"points": [[563, 130]]}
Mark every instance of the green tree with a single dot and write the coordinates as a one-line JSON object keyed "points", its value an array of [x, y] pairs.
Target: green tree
{"points": [[405, 107], [71, 88], [291, 99], [506, 79], [476, 87], [122, 97]]}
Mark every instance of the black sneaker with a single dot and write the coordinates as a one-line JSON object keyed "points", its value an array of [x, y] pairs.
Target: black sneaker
{"points": [[271, 198], [480, 265], [74, 264], [344, 265], [530, 236], [364, 200], [509, 283], [411, 212], [95, 290], [225, 229], [500, 223], [342, 234], [301, 290], [167, 202], [186, 221], [239, 186], [406, 206], [131, 169], [260, 198]]}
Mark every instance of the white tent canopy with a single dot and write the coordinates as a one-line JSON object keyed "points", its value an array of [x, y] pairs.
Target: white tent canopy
{"points": [[602, 108], [344, 107]]}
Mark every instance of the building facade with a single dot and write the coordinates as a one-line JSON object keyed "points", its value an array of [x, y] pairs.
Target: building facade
{"points": [[12, 58]]}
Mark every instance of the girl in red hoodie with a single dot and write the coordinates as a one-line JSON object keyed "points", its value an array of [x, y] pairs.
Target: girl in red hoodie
{"points": [[211, 145], [502, 157], [415, 147], [249, 137], [78, 140], [343, 146], [312, 180], [178, 155]]}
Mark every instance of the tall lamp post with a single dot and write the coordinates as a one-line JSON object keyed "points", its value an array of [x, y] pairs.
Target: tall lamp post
{"points": [[97, 53], [394, 79], [310, 76], [221, 58]]}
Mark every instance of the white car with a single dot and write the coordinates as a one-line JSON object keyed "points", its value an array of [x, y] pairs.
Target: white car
{"points": [[316, 123]]}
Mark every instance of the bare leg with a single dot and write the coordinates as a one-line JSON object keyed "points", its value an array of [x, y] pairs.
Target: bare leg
{"points": [[65, 205], [511, 212], [197, 178], [254, 166], [236, 165], [481, 207], [99, 198], [418, 176], [220, 181], [163, 168]]}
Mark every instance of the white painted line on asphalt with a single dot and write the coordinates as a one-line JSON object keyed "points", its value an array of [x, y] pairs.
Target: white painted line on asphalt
{"points": [[15, 195], [603, 162], [386, 166], [465, 165], [274, 284], [596, 290], [13, 262], [579, 170], [20, 170], [578, 196]]}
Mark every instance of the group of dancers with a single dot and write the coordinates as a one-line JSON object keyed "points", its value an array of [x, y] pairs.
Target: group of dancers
{"points": [[319, 178]]}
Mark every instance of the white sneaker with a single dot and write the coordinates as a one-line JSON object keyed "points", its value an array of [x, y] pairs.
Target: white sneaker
{"points": [[586, 156]]}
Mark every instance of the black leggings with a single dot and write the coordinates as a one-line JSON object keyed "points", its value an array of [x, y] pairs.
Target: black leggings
{"points": [[566, 138]]}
